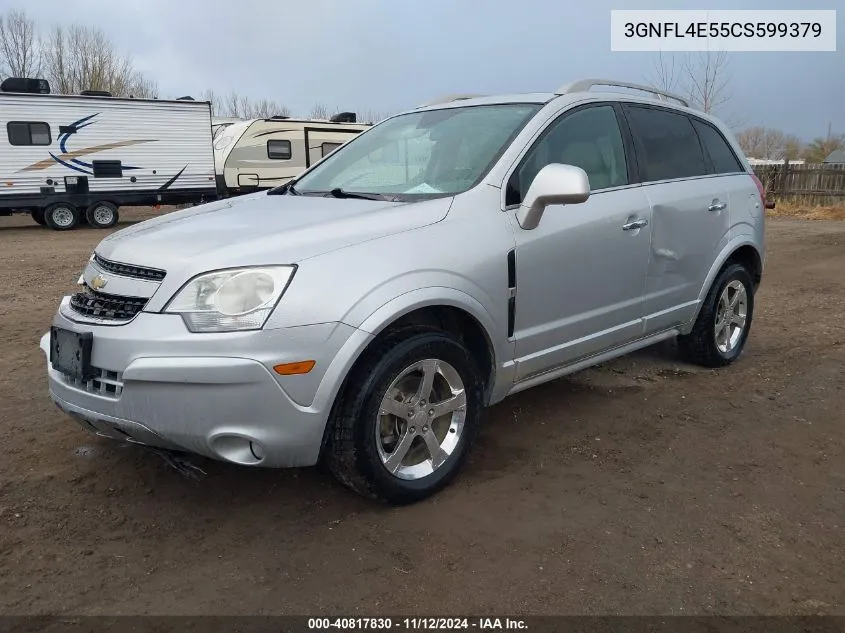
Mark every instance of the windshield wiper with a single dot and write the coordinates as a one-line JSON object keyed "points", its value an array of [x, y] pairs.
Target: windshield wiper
{"points": [[284, 190], [337, 192]]}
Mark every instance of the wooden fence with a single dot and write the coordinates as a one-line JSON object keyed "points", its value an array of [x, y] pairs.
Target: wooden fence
{"points": [[817, 182]]}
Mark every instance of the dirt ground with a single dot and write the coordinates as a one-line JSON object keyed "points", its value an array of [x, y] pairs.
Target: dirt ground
{"points": [[645, 486]]}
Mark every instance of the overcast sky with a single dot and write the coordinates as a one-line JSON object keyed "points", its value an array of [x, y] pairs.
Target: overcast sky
{"points": [[390, 55]]}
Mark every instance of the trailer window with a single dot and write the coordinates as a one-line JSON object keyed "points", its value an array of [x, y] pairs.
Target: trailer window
{"points": [[28, 133], [328, 148], [278, 149]]}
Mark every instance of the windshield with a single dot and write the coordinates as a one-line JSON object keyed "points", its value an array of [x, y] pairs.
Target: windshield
{"points": [[420, 154]]}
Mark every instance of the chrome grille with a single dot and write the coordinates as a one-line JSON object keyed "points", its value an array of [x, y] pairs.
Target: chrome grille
{"points": [[99, 305], [129, 270], [107, 383]]}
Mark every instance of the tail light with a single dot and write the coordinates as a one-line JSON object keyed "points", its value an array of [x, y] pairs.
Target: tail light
{"points": [[761, 189]]}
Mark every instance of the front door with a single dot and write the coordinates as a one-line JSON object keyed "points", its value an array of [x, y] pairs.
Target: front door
{"points": [[580, 274]]}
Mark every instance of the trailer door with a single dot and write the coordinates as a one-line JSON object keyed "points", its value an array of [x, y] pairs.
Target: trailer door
{"points": [[321, 142]]}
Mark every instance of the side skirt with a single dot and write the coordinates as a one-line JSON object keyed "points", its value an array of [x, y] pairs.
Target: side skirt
{"points": [[552, 374]]}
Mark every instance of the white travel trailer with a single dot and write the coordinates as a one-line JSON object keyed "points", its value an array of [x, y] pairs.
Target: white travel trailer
{"points": [[69, 158], [264, 153], [220, 123]]}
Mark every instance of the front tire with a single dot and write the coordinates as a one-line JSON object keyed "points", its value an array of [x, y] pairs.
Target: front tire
{"points": [[102, 215], [407, 418], [61, 216], [723, 324]]}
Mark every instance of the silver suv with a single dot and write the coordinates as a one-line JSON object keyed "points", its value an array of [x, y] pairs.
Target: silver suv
{"points": [[365, 312]]}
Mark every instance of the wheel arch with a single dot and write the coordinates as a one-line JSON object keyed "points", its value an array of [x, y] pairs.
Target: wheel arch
{"points": [[450, 310], [741, 249]]}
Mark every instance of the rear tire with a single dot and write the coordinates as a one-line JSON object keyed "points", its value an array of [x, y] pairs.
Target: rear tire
{"points": [[61, 216], [387, 440], [38, 216], [721, 329], [102, 215]]}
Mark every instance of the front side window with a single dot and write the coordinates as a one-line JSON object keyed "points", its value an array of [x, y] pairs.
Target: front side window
{"points": [[279, 149], [667, 145], [723, 159], [28, 133], [421, 154], [589, 138]]}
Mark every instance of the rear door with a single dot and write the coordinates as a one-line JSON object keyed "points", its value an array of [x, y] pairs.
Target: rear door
{"points": [[690, 212]]}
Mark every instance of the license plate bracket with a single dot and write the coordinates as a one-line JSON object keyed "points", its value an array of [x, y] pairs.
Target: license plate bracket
{"points": [[70, 353]]}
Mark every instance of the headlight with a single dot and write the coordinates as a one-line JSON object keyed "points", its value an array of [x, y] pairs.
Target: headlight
{"points": [[231, 300], [222, 143]]}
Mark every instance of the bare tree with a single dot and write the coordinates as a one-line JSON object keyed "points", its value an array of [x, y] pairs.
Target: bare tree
{"points": [[793, 147], [706, 79], [820, 148], [702, 78], [319, 111], [77, 58], [769, 144], [761, 142], [665, 73], [241, 107], [372, 116], [211, 96], [20, 53], [231, 106], [143, 88], [751, 141], [266, 108]]}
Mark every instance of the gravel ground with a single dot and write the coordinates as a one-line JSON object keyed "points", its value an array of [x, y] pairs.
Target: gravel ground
{"points": [[644, 486]]}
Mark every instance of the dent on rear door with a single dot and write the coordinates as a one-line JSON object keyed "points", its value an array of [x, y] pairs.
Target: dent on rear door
{"points": [[686, 239]]}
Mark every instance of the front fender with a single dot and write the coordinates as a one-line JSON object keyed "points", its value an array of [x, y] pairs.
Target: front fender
{"points": [[501, 348], [412, 300], [395, 308]]}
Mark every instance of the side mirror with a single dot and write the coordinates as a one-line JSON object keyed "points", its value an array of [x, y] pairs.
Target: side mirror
{"points": [[553, 184]]}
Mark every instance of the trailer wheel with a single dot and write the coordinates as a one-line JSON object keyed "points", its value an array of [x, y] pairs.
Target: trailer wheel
{"points": [[38, 216], [61, 216], [101, 215]]}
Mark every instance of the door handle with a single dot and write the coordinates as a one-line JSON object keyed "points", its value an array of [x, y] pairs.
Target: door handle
{"points": [[716, 206], [636, 224]]}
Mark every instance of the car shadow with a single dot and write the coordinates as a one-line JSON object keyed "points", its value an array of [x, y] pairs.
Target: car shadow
{"points": [[502, 447]]}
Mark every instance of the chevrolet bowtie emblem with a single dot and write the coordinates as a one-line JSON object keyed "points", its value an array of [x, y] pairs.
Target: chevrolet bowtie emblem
{"points": [[99, 282]]}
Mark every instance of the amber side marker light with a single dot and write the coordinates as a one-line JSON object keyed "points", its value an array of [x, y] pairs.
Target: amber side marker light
{"points": [[292, 369]]}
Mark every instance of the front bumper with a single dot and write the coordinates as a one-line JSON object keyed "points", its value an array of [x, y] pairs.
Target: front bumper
{"points": [[211, 394]]}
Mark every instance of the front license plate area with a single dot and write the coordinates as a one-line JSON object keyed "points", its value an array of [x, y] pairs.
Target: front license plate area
{"points": [[70, 353]]}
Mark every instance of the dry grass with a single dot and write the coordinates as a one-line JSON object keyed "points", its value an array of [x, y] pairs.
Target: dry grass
{"points": [[803, 210]]}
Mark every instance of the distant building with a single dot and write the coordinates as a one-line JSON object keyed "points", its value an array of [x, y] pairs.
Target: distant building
{"points": [[836, 158]]}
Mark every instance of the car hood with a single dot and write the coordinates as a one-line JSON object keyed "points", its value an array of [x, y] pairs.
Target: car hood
{"points": [[261, 229]]}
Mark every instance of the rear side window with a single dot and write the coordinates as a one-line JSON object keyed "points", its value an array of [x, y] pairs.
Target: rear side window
{"points": [[722, 158], [667, 145], [28, 133], [278, 149]]}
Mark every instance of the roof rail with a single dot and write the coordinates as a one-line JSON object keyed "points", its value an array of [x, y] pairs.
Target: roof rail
{"points": [[584, 85], [449, 99]]}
